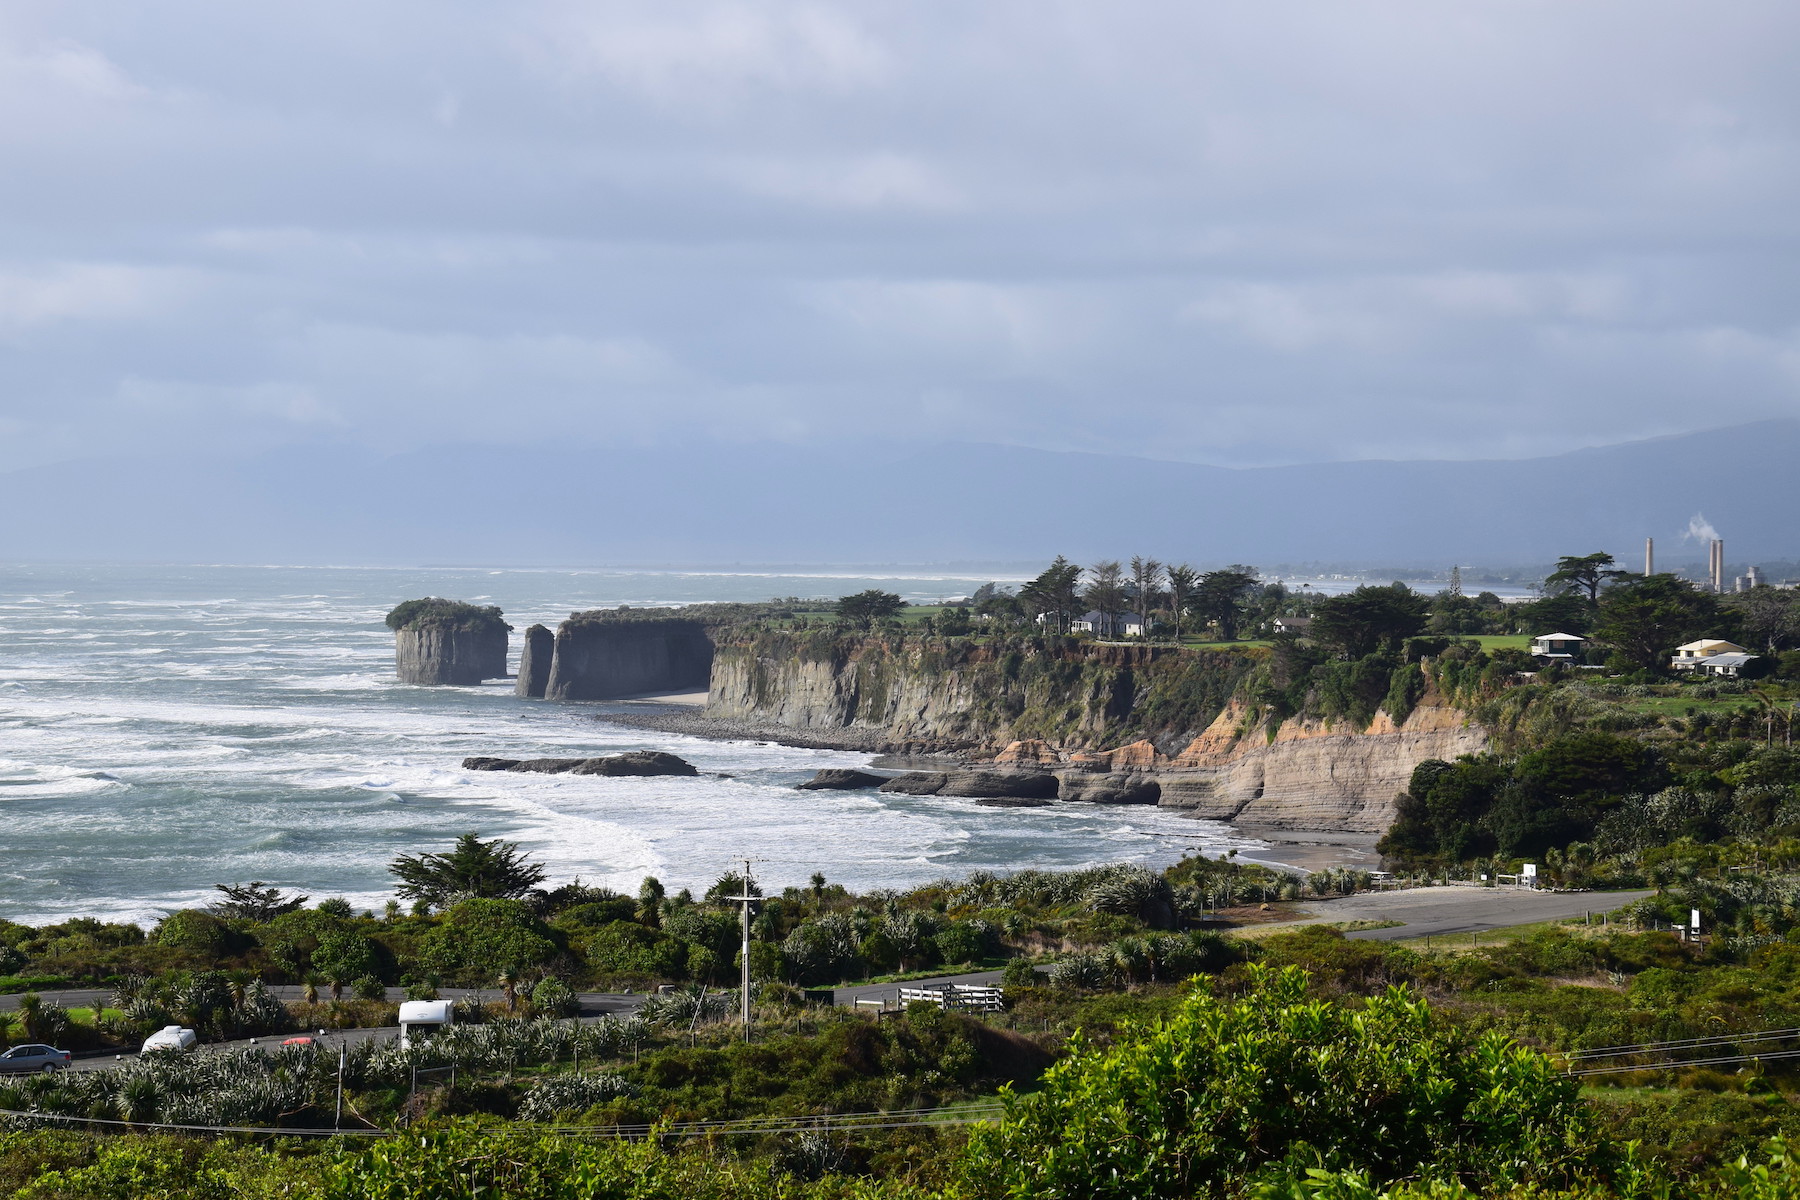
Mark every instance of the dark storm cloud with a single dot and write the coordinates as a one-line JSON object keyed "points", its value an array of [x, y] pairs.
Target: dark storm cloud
{"points": [[1243, 233]]}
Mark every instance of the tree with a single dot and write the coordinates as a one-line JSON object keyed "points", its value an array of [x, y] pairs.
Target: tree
{"points": [[482, 939], [1369, 619], [1769, 615], [1560, 612], [345, 957], [1219, 597], [650, 899], [1202, 1101], [472, 869], [1056, 594], [1586, 574], [254, 902], [1645, 618], [1183, 581], [866, 608], [1146, 578], [1105, 592]]}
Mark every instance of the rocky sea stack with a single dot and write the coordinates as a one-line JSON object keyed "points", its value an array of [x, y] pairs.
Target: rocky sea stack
{"points": [[439, 642], [534, 662]]}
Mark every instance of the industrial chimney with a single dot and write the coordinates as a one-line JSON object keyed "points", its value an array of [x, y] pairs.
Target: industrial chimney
{"points": [[1649, 557], [1718, 565]]}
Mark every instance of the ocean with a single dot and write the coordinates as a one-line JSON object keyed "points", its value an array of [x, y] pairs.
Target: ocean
{"points": [[165, 729]]}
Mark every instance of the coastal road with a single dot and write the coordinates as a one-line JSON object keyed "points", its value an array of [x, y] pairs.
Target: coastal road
{"points": [[592, 1003], [593, 1006], [889, 993], [1441, 911]]}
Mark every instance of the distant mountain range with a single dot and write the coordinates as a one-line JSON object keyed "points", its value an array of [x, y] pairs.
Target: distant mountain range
{"points": [[727, 503]]}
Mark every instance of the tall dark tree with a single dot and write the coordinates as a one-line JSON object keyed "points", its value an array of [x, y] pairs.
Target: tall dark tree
{"points": [[1183, 582], [473, 869], [1219, 597], [1105, 592], [253, 901], [1055, 594], [1646, 617], [1559, 612], [866, 608], [1146, 585], [1369, 619], [1584, 573], [1770, 616]]}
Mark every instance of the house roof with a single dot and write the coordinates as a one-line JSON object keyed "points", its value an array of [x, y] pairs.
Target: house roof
{"points": [[1730, 660], [1558, 637], [1711, 646]]}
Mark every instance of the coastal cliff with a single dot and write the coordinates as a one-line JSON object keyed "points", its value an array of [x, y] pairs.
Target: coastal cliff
{"points": [[1311, 774], [441, 642], [962, 693], [1100, 723], [598, 656]]}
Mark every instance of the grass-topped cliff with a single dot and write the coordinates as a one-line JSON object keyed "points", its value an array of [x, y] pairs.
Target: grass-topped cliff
{"points": [[435, 612], [1058, 689]]}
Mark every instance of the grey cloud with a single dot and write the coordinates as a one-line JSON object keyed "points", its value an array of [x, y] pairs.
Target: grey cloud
{"points": [[1280, 232]]}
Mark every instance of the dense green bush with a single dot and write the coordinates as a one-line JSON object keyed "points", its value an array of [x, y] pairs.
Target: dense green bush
{"points": [[1273, 1083]]}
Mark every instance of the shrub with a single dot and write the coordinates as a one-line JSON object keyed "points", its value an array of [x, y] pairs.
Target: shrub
{"points": [[1227, 1091], [572, 1093], [197, 931]]}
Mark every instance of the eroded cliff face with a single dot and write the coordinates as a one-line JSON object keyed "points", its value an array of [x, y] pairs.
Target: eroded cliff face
{"points": [[1310, 776], [434, 655], [961, 694], [1057, 709], [609, 660]]}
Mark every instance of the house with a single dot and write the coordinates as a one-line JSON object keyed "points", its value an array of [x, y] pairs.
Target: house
{"points": [[1728, 664], [1294, 625], [1559, 647], [1099, 624], [1693, 656], [1135, 626]]}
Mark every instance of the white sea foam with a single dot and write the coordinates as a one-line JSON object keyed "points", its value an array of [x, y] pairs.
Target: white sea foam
{"points": [[216, 725]]}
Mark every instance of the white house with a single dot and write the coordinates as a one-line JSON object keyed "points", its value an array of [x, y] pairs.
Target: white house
{"points": [[1694, 655], [1134, 626], [1557, 646], [1297, 625], [1727, 664], [1100, 624]]}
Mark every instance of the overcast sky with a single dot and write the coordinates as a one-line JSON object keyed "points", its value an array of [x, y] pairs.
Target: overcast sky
{"points": [[1228, 233]]}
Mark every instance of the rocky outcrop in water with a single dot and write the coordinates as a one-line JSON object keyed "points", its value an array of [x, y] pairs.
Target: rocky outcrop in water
{"points": [[635, 762], [439, 642], [839, 779], [1015, 785], [534, 662], [602, 656]]}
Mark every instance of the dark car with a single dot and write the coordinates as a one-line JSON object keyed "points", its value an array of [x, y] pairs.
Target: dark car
{"points": [[22, 1059]]}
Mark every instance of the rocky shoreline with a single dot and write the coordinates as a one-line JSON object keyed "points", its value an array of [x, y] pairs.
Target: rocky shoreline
{"points": [[863, 741]]}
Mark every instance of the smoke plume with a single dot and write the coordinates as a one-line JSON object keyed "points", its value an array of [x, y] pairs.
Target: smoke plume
{"points": [[1700, 529]]}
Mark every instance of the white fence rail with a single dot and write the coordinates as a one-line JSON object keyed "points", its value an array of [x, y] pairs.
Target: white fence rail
{"points": [[966, 997]]}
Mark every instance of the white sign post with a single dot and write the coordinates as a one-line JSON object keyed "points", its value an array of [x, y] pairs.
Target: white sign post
{"points": [[1528, 873]]}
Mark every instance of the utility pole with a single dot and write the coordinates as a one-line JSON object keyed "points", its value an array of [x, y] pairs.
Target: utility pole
{"points": [[744, 983], [343, 1052]]}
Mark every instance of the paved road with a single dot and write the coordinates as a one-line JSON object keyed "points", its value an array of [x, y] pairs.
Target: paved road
{"points": [[592, 1003], [1439, 911], [889, 993]]}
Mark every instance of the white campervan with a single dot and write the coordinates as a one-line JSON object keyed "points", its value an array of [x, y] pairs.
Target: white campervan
{"points": [[423, 1016], [170, 1037]]}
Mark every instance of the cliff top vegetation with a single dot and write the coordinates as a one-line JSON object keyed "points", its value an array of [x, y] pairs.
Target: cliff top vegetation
{"points": [[454, 615]]}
